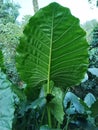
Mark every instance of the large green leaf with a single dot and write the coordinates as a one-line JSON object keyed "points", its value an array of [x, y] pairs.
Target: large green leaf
{"points": [[53, 48]]}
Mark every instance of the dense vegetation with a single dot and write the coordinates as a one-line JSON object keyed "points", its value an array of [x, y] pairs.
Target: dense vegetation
{"points": [[42, 84]]}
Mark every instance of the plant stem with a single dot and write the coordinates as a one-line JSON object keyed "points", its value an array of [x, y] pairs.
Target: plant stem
{"points": [[42, 116], [68, 119], [58, 126], [49, 117]]}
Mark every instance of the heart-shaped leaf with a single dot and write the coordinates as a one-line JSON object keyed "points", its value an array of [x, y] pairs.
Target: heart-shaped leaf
{"points": [[53, 47]]}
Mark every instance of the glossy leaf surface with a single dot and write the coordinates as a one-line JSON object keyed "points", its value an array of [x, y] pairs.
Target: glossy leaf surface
{"points": [[53, 48]]}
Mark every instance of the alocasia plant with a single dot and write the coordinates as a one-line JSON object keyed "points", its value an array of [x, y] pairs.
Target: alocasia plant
{"points": [[53, 48]]}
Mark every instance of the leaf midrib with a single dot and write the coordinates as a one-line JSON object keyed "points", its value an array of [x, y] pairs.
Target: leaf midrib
{"points": [[50, 55]]}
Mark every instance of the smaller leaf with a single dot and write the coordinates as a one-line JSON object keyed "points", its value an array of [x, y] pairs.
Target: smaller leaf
{"points": [[56, 105], [93, 71], [74, 101], [89, 99]]}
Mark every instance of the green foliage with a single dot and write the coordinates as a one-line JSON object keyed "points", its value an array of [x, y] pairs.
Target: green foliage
{"points": [[89, 27], [8, 12], [79, 112], [27, 118], [1, 61], [95, 37], [9, 39], [9, 34], [94, 57], [6, 103]]}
